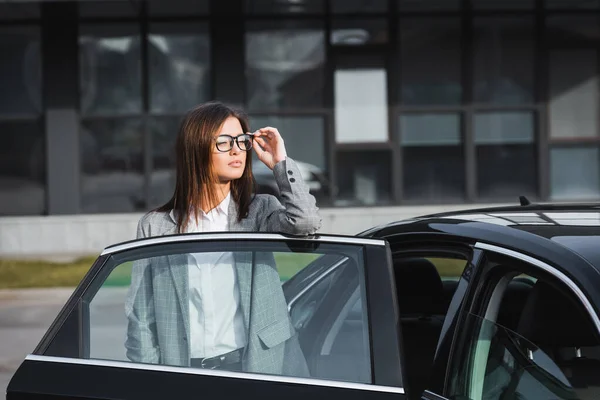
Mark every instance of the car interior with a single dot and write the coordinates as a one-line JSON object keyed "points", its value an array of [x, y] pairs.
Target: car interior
{"points": [[537, 311], [556, 323]]}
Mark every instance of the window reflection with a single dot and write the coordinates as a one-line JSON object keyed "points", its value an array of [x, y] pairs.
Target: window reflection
{"points": [[20, 71], [429, 5], [352, 32], [284, 7], [363, 177], [430, 61], [110, 69], [575, 173], [574, 93], [162, 178], [179, 66], [22, 168], [506, 172], [503, 4], [112, 165], [506, 155], [358, 6], [432, 157], [504, 53], [284, 65]]}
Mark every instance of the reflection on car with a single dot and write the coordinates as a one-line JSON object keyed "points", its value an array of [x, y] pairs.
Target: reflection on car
{"points": [[496, 303]]}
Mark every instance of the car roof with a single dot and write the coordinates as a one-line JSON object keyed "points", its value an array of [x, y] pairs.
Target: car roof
{"points": [[574, 227]]}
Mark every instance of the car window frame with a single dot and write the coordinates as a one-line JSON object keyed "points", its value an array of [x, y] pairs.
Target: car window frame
{"points": [[385, 360]]}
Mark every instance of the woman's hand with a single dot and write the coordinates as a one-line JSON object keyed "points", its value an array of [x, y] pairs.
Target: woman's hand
{"points": [[270, 149]]}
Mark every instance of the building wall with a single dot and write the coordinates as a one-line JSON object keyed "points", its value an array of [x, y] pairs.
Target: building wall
{"points": [[63, 237], [388, 103]]}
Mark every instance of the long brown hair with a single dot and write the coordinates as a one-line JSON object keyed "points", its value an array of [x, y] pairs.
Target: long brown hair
{"points": [[195, 177]]}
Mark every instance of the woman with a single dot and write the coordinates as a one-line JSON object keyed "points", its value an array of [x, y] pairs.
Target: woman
{"points": [[214, 192]]}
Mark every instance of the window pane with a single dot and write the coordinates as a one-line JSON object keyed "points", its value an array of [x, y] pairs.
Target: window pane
{"points": [[564, 31], [358, 32], [503, 4], [430, 129], [304, 136], [112, 166], [20, 71], [358, 6], [574, 93], [104, 9], [503, 127], [506, 171], [22, 168], [433, 157], [429, 5], [282, 7], [430, 61], [504, 53], [434, 173], [179, 67], [161, 8], [284, 65], [361, 112], [12, 10], [572, 4], [305, 143], [110, 69], [162, 180], [363, 177], [323, 290], [575, 173]]}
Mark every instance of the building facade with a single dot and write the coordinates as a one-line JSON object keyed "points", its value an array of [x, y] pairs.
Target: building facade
{"points": [[386, 102]]}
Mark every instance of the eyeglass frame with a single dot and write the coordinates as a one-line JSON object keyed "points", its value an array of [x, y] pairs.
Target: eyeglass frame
{"points": [[236, 140]]}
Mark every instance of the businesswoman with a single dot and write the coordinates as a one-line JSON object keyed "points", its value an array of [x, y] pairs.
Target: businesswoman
{"points": [[197, 309]]}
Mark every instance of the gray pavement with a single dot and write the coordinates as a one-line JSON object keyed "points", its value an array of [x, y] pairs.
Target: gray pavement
{"points": [[25, 315]]}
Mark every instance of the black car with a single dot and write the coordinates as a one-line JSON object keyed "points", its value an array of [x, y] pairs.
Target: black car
{"points": [[499, 303]]}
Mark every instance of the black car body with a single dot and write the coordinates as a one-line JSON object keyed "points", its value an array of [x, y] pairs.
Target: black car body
{"points": [[497, 303]]}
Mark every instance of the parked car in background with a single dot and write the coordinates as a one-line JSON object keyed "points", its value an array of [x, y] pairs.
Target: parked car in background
{"points": [[316, 179], [498, 303]]}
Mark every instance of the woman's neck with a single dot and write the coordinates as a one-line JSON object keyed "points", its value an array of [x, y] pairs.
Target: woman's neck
{"points": [[221, 190]]}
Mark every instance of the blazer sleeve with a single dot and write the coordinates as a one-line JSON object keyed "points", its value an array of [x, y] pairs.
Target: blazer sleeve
{"points": [[297, 213], [141, 343]]}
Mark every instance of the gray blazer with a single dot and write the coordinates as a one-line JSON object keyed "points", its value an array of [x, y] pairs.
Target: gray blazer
{"points": [[157, 305]]}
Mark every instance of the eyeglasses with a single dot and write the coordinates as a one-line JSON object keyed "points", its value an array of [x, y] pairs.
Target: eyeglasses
{"points": [[225, 142]]}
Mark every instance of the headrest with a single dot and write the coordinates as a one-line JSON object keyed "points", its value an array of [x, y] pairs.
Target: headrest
{"points": [[419, 286], [552, 318]]}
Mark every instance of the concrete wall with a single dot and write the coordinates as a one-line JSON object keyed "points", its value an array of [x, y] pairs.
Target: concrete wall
{"points": [[75, 235]]}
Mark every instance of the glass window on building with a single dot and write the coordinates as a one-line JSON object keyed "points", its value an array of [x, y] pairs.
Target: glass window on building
{"points": [[430, 61], [23, 150], [574, 134], [363, 177], [506, 154], [432, 156], [285, 89], [504, 60], [179, 62], [111, 135], [285, 65]]}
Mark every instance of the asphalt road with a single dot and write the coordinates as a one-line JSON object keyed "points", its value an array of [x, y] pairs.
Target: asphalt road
{"points": [[25, 315]]}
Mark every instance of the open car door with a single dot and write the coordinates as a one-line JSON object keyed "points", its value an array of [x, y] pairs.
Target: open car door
{"points": [[319, 321]]}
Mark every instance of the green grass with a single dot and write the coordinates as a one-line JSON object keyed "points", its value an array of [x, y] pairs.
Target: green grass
{"points": [[39, 274]]}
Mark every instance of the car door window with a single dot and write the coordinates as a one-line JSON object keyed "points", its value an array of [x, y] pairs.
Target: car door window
{"points": [[189, 306], [534, 339]]}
